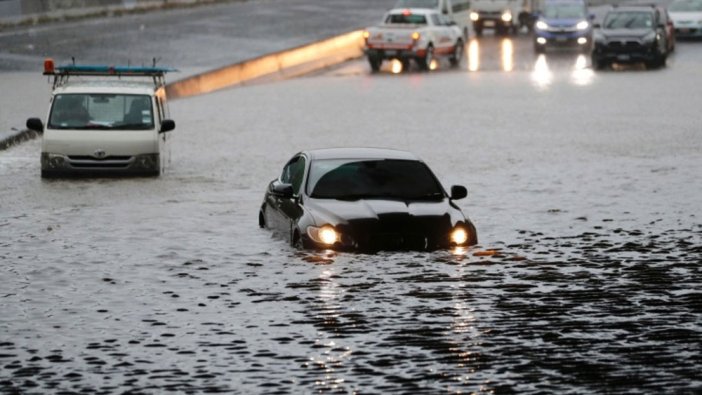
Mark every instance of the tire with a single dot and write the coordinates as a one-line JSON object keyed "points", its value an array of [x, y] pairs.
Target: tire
{"points": [[425, 62], [455, 59], [598, 64], [405, 65], [374, 63], [539, 49], [261, 219]]}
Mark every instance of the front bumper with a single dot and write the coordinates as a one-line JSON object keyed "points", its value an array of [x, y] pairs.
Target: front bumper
{"points": [[395, 53], [77, 165], [563, 38], [628, 52], [688, 32]]}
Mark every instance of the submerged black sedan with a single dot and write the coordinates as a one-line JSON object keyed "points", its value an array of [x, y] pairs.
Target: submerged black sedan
{"points": [[364, 199]]}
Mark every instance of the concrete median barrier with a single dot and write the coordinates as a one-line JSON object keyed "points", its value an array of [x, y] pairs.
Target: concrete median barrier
{"points": [[284, 64]]}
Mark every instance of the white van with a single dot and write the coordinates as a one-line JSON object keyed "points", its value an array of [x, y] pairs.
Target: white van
{"points": [[457, 11], [105, 120]]}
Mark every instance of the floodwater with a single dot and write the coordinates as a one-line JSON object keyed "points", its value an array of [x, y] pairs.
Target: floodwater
{"points": [[587, 278]]}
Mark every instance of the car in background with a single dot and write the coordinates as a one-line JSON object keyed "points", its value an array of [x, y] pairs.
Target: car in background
{"points": [[364, 199], [687, 18], [563, 24], [413, 34], [457, 11], [631, 34]]}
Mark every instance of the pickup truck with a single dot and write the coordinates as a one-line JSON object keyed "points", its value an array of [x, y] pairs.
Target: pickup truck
{"points": [[413, 34]]}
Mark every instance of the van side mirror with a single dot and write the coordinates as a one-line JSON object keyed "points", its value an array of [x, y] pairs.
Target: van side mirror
{"points": [[458, 192], [35, 124], [167, 125], [592, 17]]}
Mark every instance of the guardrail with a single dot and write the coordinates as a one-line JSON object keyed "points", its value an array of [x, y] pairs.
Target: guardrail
{"points": [[284, 64]]}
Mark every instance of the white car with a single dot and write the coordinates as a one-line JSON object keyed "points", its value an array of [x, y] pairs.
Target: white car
{"points": [[104, 120], [687, 18], [414, 34]]}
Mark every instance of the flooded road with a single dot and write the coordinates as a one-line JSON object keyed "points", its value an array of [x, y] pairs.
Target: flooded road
{"points": [[585, 193]]}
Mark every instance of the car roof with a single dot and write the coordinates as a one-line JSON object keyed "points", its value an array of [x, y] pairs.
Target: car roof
{"points": [[417, 11], [107, 86], [359, 153]]}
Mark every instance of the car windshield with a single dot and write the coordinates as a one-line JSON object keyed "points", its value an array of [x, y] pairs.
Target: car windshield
{"points": [[628, 20], [564, 11], [432, 4], [406, 18], [686, 6], [101, 112], [352, 179]]}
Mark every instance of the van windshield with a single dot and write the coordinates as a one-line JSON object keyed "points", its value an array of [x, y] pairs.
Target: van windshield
{"points": [[432, 4], [101, 111]]}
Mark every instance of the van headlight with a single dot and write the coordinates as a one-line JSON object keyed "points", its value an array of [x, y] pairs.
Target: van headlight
{"points": [[541, 25], [147, 161], [325, 235], [506, 16], [582, 25], [52, 161], [474, 16]]}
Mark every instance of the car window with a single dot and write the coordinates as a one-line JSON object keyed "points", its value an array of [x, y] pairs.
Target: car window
{"points": [[101, 111], [407, 18], [293, 173], [628, 20], [388, 179], [686, 6]]}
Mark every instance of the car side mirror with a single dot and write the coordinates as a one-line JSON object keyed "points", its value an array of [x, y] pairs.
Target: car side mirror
{"points": [[35, 124], [458, 192], [167, 125], [281, 189]]}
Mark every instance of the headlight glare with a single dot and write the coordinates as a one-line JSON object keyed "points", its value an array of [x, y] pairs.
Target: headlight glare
{"points": [[474, 16], [506, 16], [325, 235], [541, 25], [582, 25], [459, 236]]}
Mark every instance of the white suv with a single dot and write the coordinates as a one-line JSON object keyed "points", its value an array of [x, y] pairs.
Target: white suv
{"points": [[105, 120]]}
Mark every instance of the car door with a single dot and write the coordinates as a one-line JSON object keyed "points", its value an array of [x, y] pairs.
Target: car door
{"points": [[444, 39], [286, 210]]}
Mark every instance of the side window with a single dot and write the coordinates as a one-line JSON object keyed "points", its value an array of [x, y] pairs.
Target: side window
{"points": [[293, 173], [436, 20], [445, 7]]}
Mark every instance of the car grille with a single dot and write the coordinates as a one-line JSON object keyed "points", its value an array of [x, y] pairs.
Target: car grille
{"points": [[108, 162], [625, 46]]}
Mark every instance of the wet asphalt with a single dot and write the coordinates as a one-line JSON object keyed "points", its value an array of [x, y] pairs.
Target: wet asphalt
{"points": [[584, 187]]}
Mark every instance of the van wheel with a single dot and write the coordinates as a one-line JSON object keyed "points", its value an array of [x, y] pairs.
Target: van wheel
{"points": [[455, 59], [374, 63], [425, 62]]}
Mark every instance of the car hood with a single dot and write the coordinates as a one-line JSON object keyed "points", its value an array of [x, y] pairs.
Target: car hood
{"points": [[685, 17], [332, 211], [562, 23], [625, 33]]}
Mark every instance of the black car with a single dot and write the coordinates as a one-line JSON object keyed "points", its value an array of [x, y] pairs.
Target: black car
{"points": [[364, 199], [631, 34]]}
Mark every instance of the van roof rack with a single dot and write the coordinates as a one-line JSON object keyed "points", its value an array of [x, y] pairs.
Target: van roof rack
{"points": [[61, 74]]}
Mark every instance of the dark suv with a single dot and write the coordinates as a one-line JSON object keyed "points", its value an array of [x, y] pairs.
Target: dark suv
{"points": [[631, 34]]}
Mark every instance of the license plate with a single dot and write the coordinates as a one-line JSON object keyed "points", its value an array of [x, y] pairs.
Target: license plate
{"points": [[391, 52], [489, 23], [560, 39], [623, 57], [684, 30]]}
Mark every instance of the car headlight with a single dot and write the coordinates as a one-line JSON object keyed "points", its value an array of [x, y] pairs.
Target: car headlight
{"points": [[650, 37], [458, 236], [52, 161], [541, 25], [582, 25], [474, 16], [506, 16], [325, 235]]}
